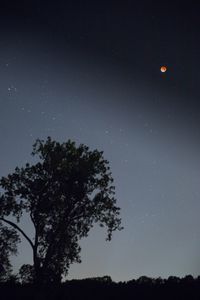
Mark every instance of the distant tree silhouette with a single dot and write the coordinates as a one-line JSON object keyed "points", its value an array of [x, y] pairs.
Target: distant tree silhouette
{"points": [[187, 279], [99, 288], [145, 280], [64, 194], [173, 280], [159, 281]]}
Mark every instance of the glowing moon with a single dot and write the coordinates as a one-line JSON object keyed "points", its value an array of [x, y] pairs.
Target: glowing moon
{"points": [[163, 69]]}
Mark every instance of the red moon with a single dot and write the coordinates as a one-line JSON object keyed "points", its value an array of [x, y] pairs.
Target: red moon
{"points": [[163, 69]]}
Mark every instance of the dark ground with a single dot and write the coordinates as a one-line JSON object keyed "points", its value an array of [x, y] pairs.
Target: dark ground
{"points": [[173, 288]]}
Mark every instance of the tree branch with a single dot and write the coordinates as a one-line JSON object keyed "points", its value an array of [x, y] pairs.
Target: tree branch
{"points": [[32, 219], [20, 230], [36, 229]]}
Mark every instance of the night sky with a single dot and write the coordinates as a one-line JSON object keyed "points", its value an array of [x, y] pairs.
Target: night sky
{"points": [[90, 71]]}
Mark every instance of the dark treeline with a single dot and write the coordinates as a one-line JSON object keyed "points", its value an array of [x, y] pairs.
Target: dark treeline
{"points": [[104, 288]]}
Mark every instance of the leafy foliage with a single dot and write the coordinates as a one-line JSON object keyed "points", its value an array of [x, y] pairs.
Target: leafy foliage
{"points": [[8, 241], [26, 273], [65, 193]]}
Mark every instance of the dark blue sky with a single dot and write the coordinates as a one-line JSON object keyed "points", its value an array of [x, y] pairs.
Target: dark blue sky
{"points": [[92, 73]]}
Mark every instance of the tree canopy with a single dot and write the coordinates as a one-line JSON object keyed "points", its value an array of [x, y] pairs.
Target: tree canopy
{"points": [[65, 193]]}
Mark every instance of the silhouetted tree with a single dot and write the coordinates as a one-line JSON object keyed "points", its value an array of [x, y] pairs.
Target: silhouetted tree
{"points": [[8, 242], [12, 279], [145, 280], [64, 194], [26, 273], [188, 279], [173, 280]]}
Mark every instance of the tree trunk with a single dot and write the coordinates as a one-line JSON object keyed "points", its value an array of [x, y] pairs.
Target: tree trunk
{"points": [[37, 270]]}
